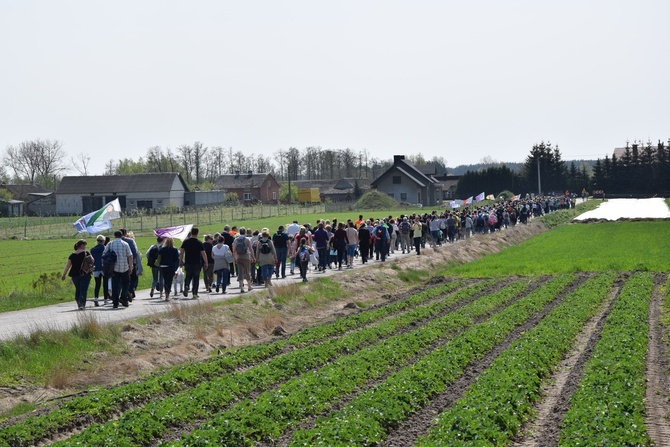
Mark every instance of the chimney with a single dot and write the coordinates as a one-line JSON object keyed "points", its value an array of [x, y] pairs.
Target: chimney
{"points": [[250, 173], [397, 158]]}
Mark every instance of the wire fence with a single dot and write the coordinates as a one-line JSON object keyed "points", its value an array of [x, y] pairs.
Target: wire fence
{"points": [[144, 222]]}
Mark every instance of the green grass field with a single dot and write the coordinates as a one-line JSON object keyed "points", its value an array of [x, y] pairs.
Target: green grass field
{"points": [[616, 246]]}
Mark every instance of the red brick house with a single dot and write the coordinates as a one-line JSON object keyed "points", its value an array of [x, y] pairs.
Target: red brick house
{"points": [[250, 187]]}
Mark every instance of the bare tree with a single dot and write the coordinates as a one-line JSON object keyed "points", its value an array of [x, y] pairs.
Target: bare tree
{"points": [[36, 160], [185, 155], [110, 168], [280, 158], [81, 162]]}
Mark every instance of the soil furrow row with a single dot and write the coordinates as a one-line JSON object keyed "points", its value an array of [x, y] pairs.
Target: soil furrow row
{"points": [[309, 422], [658, 380], [418, 424], [545, 428], [180, 428]]}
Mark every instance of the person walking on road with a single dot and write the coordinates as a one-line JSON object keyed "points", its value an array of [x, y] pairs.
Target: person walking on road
{"points": [[98, 276], [193, 259], [123, 267], [81, 277], [244, 258], [169, 263], [267, 256]]}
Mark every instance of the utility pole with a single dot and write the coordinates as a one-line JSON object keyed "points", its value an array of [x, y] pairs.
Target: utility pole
{"points": [[539, 183]]}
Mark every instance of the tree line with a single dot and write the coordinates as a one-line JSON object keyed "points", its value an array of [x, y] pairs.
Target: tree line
{"points": [[642, 169], [43, 162], [544, 161]]}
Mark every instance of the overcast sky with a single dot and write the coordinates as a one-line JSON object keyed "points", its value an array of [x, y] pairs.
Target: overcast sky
{"points": [[462, 80]]}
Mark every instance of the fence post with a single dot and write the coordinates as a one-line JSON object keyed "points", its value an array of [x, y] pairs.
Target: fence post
{"points": [[141, 223]]}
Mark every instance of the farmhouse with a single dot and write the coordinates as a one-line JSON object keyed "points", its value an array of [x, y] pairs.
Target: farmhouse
{"points": [[26, 199], [404, 182], [250, 187], [83, 194]]}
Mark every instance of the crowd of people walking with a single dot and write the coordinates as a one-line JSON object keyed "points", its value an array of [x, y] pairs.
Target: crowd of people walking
{"points": [[256, 257]]}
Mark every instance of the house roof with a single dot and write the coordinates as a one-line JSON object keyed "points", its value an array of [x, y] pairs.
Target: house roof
{"points": [[409, 169], [448, 181], [114, 184], [26, 192], [241, 180]]}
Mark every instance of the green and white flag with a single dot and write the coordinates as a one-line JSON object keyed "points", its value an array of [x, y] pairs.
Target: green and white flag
{"points": [[99, 220]]}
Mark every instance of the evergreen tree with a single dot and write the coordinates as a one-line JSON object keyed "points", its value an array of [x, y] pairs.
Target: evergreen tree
{"points": [[553, 172]]}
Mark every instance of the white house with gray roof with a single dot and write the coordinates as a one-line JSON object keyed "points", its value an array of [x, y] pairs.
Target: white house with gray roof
{"points": [[83, 194], [405, 182]]}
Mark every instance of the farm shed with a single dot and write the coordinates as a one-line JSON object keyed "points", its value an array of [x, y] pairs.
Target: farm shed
{"points": [[83, 194]]}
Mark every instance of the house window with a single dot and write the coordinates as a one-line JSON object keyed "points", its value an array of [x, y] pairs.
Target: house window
{"points": [[274, 195], [391, 195], [397, 180], [145, 204], [403, 196], [247, 196]]}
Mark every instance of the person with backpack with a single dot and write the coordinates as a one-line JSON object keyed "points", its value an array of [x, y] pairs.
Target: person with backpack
{"points": [[117, 254], [302, 258], [193, 259], [134, 280], [281, 243], [243, 256], [381, 241], [79, 264], [404, 229], [152, 257], [266, 256]]}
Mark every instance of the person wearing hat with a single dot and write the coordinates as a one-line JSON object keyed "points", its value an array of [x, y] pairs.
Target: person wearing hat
{"points": [[96, 252]]}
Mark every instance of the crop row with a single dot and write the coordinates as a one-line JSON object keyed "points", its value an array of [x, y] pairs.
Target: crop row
{"points": [[502, 398], [608, 406], [367, 418], [142, 426], [268, 417], [101, 405]]}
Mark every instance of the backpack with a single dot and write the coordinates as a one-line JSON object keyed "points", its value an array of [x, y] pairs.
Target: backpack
{"points": [[87, 264], [241, 245], [108, 261], [303, 254], [265, 247], [405, 227], [152, 256], [379, 233]]}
